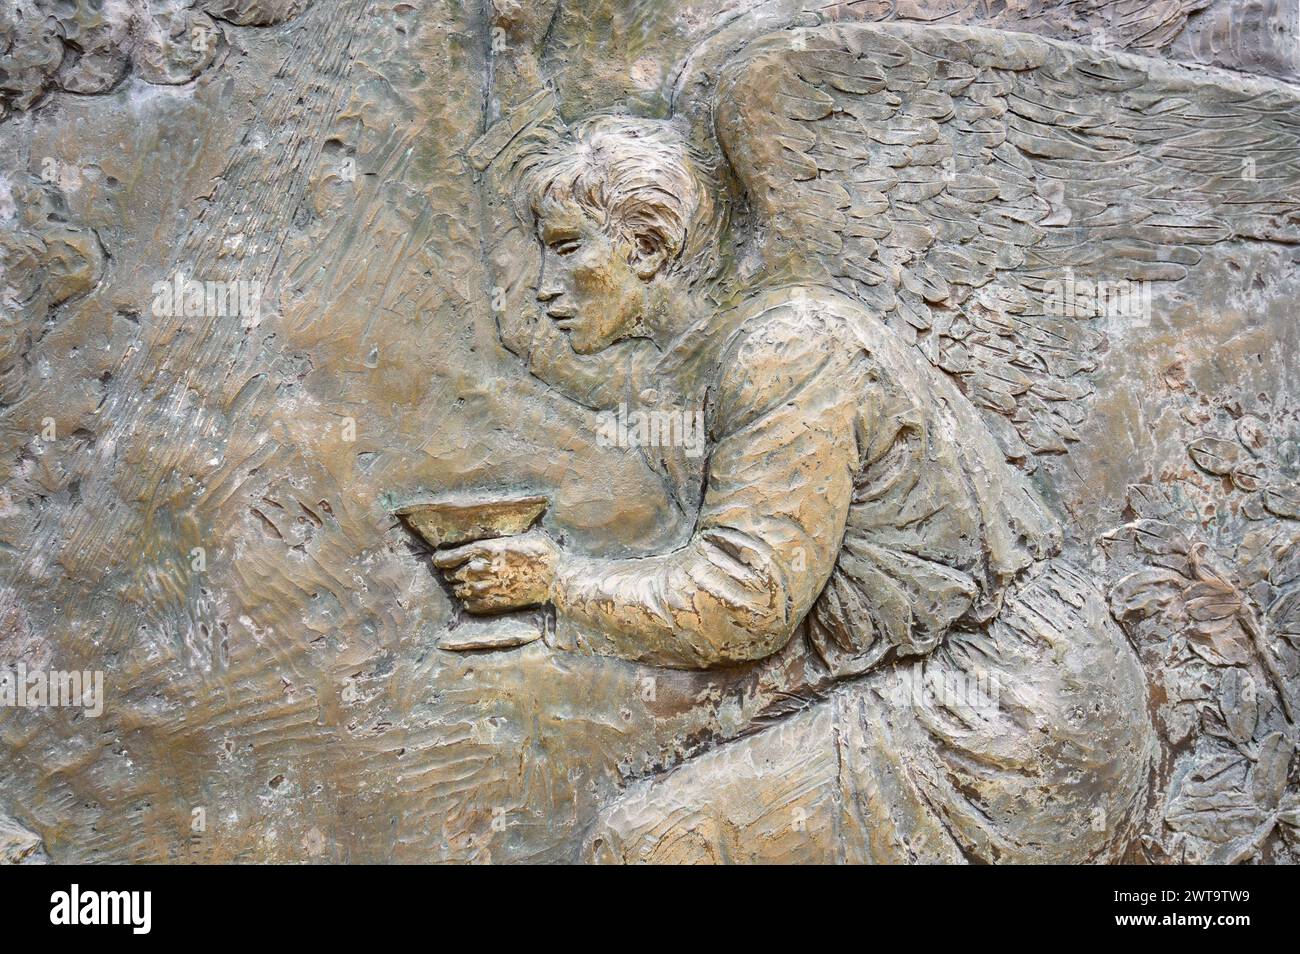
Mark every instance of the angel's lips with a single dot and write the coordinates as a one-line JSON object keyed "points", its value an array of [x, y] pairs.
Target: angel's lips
{"points": [[562, 319]]}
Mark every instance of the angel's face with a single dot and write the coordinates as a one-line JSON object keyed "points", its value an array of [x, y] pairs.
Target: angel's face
{"points": [[589, 282]]}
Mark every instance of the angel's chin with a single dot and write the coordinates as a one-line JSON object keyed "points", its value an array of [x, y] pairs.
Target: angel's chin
{"points": [[580, 343]]}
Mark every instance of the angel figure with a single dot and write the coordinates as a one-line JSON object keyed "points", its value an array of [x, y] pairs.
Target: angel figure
{"points": [[926, 677]]}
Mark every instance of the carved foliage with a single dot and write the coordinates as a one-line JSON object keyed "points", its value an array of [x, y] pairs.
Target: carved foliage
{"points": [[1223, 679]]}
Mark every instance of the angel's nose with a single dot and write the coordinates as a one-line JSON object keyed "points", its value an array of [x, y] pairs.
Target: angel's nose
{"points": [[547, 291]]}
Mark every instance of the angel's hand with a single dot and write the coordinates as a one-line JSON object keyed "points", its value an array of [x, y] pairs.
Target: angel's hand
{"points": [[493, 576]]}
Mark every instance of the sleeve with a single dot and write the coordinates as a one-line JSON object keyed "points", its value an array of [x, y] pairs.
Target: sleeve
{"points": [[780, 481]]}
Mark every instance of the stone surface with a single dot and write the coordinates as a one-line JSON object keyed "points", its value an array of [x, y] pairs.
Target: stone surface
{"points": [[201, 503]]}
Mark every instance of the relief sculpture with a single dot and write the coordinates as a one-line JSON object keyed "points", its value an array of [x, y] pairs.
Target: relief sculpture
{"points": [[856, 531], [883, 262], [761, 432]]}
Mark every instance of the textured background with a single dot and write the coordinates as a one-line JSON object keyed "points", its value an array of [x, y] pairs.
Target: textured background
{"points": [[293, 688]]}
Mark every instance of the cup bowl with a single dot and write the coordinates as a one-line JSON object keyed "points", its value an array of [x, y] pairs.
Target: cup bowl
{"points": [[450, 522]]}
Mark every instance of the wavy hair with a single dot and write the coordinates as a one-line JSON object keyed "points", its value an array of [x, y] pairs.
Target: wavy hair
{"points": [[634, 177]]}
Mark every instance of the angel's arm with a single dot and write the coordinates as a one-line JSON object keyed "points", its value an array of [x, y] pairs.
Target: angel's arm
{"points": [[780, 480]]}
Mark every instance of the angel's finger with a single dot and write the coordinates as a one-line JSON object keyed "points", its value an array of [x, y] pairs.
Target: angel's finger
{"points": [[491, 603], [445, 559], [475, 569], [473, 591]]}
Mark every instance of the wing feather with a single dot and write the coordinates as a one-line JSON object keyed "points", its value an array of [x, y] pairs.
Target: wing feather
{"points": [[951, 176]]}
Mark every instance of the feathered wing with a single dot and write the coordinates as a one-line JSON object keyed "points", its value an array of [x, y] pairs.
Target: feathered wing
{"points": [[958, 182], [974, 188]]}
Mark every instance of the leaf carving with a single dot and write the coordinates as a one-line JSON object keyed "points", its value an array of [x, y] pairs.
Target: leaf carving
{"points": [[1221, 643], [1239, 704], [1218, 810], [1252, 433], [1284, 615], [1157, 537], [1215, 455], [1283, 501], [1268, 780], [1289, 811], [1146, 593], [1248, 475]]}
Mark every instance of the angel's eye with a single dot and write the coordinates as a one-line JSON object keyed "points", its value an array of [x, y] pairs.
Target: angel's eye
{"points": [[564, 246]]}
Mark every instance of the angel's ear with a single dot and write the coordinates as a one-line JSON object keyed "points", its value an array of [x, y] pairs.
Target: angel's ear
{"points": [[649, 254]]}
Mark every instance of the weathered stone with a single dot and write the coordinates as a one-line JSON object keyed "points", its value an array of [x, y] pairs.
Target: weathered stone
{"points": [[904, 395]]}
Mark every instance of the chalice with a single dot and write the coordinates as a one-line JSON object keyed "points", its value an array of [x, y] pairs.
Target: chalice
{"points": [[454, 521]]}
